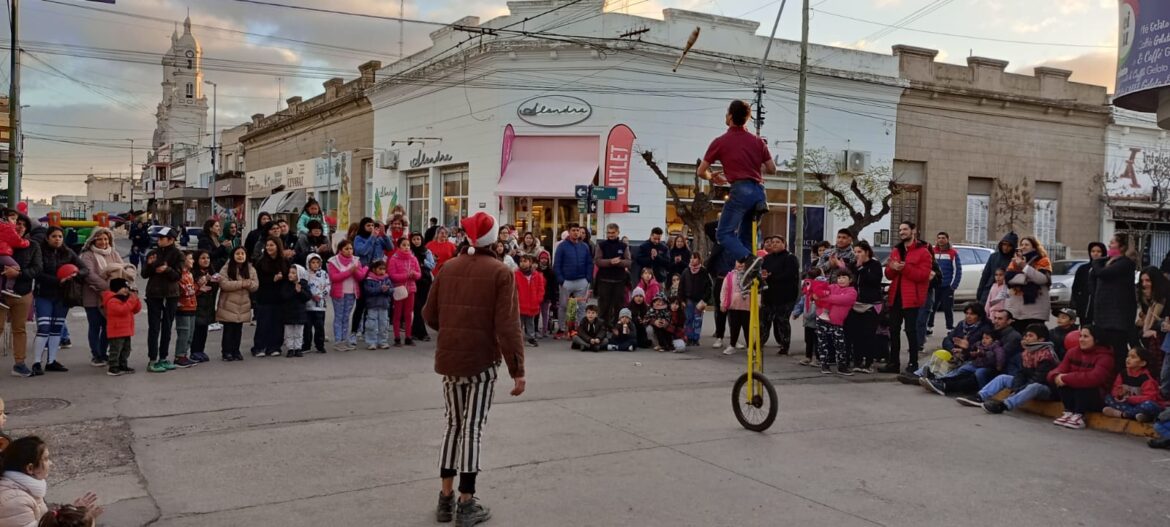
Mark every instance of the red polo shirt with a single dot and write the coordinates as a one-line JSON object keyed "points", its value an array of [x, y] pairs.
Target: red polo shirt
{"points": [[741, 153]]}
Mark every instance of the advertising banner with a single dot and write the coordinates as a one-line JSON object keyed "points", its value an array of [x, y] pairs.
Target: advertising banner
{"points": [[618, 150], [506, 153], [1143, 53]]}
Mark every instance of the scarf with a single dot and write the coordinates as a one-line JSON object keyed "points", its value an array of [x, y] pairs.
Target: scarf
{"points": [[102, 257], [1030, 291], [1034, 354], [343, 262], [36, 487]]}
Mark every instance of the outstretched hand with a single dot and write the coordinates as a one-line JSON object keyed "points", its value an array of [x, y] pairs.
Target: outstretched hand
{"points": [[87, 501]]}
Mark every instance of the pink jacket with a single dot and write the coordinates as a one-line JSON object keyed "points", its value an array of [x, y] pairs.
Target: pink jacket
{"points": [[403, 270], [838, 301], [340, 271], [731, 296]]}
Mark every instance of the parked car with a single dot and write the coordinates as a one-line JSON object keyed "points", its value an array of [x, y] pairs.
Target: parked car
{"points": [[193, 237], [1063, 273], [974, 259]]}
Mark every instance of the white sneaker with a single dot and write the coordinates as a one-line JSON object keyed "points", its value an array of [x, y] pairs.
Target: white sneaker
{"points": [[215, 326], [740, 346], [729, 351], [718, 344], [372, 347]]}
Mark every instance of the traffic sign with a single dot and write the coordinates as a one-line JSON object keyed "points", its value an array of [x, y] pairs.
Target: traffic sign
{"points": [[592, 206], [605, 193], [635, 209], [581, 191], [582, 205]]}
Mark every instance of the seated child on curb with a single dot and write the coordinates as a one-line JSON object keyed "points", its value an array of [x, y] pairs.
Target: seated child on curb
{"points": [[638, 311], [1066, 322], [984, 361], [624, 335], [1037, 359], [804, 308], [121, 305], [678, 325], [1135, 393], [659, 317], [591, 333]]}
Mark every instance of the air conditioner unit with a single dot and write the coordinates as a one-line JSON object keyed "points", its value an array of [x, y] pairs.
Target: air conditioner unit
{"points": [[388, 160], [856, 162]]}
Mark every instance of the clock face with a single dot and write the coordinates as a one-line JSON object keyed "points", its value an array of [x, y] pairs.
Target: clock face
{"points": [[190, 53]]}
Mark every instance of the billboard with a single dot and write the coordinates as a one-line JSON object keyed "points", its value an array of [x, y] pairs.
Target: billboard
{"points": [[1143, 53]]}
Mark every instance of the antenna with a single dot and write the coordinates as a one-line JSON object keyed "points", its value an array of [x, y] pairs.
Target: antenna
{"points": [[279, 92], [401, 25]]}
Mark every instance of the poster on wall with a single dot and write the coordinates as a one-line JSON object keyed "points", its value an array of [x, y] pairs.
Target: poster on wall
{"points": [[339, 180], [618, 149]]}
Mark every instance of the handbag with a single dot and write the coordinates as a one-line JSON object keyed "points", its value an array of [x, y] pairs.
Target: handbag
{"points": [[400, 293]]}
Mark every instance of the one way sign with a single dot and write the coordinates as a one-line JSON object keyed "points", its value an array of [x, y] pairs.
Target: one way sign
{"points": [[582, 191]]}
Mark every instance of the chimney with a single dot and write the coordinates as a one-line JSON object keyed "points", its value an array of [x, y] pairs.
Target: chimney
{"points": [[256, 117], [332, 87], [987, 74], [915, 63], [369, 70], [1053, 82]]}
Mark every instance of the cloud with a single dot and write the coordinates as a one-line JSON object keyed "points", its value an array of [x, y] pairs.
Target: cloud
{"points": [[1035, 27], [1072, 7], [882, 4], [1098, 67]]}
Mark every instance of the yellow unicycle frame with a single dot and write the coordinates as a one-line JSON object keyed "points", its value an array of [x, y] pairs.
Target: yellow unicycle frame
{"points": [[753, 397]]}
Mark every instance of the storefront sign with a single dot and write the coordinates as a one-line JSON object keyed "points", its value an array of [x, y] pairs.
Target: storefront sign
{"points": [[554, 110], [423, 159], [1143, 60], [618, 149], [506, 154]]}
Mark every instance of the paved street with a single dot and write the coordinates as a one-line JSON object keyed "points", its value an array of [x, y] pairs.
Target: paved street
{"points": [[599, 439]]}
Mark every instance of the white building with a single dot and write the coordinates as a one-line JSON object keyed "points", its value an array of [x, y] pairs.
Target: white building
{"points": [[512, 124], [1137, 179]]}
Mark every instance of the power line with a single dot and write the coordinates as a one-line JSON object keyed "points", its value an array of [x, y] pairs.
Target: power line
{"points": [[971, 37]]}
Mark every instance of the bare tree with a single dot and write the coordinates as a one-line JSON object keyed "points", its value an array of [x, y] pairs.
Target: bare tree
{"points": [[865, 197], [1013, 204], [693, 214]]}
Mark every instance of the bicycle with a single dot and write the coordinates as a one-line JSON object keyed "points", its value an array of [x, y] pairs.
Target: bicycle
{"points": [[753, 398]]}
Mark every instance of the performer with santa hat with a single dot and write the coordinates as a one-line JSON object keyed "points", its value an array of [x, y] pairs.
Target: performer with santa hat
{"points": [[473, 304]]}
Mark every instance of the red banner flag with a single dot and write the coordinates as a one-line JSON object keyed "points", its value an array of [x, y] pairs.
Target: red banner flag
{"points": [[618, 151]]}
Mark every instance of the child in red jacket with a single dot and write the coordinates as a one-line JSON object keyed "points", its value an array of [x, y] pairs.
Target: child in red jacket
{"points": [[1135, 393], [1081, 378], [9, 241], [121, 306], [530, 293], [833, 305]]}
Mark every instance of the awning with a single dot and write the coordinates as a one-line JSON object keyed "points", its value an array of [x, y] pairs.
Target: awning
{"points": [[550, 166], [283, 202]]}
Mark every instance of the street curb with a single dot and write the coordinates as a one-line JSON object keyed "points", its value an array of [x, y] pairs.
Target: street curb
{"points": [[1095, 421]]}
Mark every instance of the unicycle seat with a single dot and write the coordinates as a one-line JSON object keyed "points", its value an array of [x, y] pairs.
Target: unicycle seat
{"points": [[760, 209]]}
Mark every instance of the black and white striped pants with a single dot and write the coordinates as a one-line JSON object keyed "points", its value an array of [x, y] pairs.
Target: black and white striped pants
{"points": [[468, 401]]}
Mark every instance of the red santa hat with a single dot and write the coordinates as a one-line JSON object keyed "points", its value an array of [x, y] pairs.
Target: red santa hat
{"points": [[481, 230]]}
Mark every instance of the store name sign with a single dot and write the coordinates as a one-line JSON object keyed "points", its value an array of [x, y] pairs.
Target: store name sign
{"points": [[424, 159], [554, 110]]}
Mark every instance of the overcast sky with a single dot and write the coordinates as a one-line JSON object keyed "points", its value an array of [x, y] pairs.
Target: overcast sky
{"points": [[90, 100]]}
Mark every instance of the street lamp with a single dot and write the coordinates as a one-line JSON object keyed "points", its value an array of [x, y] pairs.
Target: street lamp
{"points": [[214, 150]]}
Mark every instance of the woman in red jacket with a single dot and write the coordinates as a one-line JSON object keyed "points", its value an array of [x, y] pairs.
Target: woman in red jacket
{"points": [[1081, 379]]}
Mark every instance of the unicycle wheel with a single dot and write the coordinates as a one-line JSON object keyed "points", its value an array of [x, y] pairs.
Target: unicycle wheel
{"points": [[758, 412]]}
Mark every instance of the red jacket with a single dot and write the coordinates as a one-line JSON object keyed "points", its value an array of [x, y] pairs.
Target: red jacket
{"points": [[530, 291], [1141, 387], [1085, 368], [402, 267], [838, 301], [120, 314], [9, 240], [913, 279]]}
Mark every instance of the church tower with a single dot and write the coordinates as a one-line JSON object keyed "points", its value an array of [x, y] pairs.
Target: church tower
{"points": [[182, 113]]}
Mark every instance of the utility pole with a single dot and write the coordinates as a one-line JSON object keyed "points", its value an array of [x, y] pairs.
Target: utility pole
{"points": [[214, 145], [802, 100], [401, 26], [15, 145], [131, 175], [760, 75]]}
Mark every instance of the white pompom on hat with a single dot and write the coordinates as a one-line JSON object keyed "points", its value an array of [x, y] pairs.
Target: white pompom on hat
{"points": [[481, 230]]}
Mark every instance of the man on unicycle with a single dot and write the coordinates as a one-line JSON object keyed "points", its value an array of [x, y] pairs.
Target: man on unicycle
{"points": [[742, 155]]}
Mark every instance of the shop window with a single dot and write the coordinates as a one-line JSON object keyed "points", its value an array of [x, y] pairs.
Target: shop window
{"points": [[418, 198], [978, 209], [1044, 221], [454, 194]]}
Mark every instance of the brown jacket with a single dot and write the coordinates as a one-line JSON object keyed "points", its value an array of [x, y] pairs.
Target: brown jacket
{"points": [[234, 304], [473, 306]]}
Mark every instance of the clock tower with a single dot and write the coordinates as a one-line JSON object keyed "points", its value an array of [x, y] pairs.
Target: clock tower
{"points": [[182, 113]]}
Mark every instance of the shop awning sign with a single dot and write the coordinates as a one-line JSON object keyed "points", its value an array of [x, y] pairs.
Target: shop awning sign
{"points": [[618, 150], [554, 111]]}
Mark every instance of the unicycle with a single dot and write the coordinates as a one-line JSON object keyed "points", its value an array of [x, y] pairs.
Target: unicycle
{"points": [[753, 398]]}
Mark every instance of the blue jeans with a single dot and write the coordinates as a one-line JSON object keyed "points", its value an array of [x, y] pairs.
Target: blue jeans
{"points": [[694, 321], [734, 232], [924, 315], [98, 345], [377, 326], [50, 314], [342, 308], [1032, 391]]}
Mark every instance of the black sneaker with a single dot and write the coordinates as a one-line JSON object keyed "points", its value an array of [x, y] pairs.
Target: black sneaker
{"points": [[57, 367], [1159, 442], [845, 370], [299, 353], [126, 370], [66, 344], [751, 264], [184, 362], [445, 511], [994, 407], [972, 401], [934, 386], [911, 380], [113, 371], [409, 341], [470, 512], [826, 369], [893, 368], [36, 369]]}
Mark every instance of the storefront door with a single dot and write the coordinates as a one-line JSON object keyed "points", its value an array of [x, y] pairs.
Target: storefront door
{"points": [[547, 218]]}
